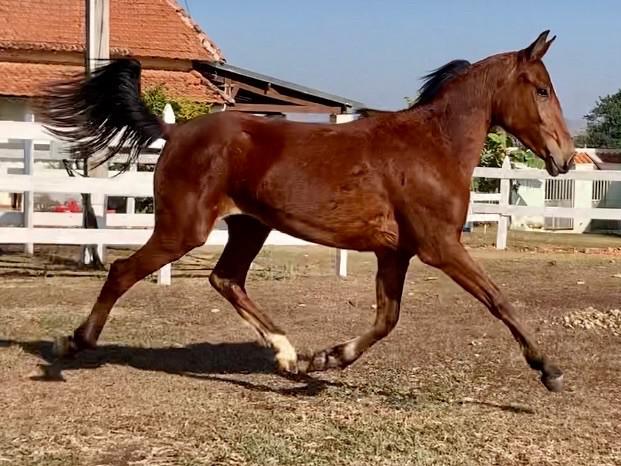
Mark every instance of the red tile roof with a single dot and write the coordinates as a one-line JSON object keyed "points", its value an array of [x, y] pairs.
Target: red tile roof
{"points": [[582, 158], [30, 79], [142, 28]]}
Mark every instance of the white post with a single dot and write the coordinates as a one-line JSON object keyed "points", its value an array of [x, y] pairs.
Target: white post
{"points": [[97, 33], [341, 262], [131, 201], [97, 52], [583, 197], [341, 254], [503, 220], [165, 273], [28, 198], [168, 114]]}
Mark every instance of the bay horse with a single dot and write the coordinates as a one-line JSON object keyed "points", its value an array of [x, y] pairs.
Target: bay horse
{"points": [[393, 183]]}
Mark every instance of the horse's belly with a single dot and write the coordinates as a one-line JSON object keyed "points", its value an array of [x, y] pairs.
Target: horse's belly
{"points": [[355, 233]]}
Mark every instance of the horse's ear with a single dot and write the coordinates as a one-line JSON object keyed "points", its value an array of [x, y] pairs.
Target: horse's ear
{"points": [[538, 49]]}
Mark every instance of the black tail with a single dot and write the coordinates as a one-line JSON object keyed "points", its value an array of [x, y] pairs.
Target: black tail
{"points": [[91, 112]]}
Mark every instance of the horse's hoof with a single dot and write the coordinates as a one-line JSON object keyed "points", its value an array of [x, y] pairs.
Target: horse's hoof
{"points": [[48, 372], [304, 364], [288, 366], [64, 347], [553, 382]]}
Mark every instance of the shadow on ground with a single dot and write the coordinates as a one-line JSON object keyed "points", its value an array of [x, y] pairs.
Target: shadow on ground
{"points": [[206, 361], [200, 361]]}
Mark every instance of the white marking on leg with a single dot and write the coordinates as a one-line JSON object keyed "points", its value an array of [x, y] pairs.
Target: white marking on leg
{"points": [[286, 355], [350, 350]]}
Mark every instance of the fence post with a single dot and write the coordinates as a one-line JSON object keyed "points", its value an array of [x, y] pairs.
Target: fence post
{"points": [[341, 254], [28, 200], [97, 41], [165, 273], [341, 263], [130, 206], [503, 220]]}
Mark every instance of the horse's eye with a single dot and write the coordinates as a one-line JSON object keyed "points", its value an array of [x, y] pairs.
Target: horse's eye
{"points": [[542, 92]]}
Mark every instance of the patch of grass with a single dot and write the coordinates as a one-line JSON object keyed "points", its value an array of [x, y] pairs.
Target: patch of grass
{"points": [[176, 384]]}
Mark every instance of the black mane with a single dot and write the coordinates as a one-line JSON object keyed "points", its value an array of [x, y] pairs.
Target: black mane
{"points": [[436, 80]]}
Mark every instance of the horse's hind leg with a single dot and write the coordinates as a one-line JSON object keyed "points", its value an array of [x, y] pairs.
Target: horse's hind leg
{"points": [[246, 238], [392, 267], [178, 230]]}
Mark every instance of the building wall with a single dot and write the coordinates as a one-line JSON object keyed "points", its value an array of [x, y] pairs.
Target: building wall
{"points": [[611, 200], [529, 193], [12, 109], [532, 193]]}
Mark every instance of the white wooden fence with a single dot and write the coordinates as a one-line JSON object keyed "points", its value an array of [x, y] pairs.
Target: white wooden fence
{"points": [[504, 210], [118, 229], [32, 227]]}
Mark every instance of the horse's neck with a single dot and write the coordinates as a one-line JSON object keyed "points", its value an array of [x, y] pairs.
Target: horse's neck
{"points": [[466, 110]]}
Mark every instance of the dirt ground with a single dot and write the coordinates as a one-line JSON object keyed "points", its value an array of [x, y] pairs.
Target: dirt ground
{"points": [[178, 379]]}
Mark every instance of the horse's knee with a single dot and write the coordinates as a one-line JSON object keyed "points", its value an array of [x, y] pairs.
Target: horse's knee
{"points": [[216, 281], [116, 269], [440, 255], [116, 274], [226, 286], [432, 257]]}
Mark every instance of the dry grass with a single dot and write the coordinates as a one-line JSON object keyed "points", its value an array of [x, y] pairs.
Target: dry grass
{"points": [[175, 383]]}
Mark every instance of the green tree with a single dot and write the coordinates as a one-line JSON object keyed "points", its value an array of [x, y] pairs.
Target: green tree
{"points": [[493, 154], [498, 145], [156, 99], [581, 140], [604, 123]]}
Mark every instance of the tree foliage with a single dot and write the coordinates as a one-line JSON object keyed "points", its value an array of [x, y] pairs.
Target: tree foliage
{"points": [[498, 145], [604, 123], [581, 140], [156, 99]]}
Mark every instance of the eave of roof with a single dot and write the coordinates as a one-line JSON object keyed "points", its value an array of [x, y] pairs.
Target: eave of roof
{"points": [[227, 69]]}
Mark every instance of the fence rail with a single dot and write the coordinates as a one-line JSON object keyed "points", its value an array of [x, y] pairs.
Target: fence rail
{"points": [[118, 229], [505, 210]]}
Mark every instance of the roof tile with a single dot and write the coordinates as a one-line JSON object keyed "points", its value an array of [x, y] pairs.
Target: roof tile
{"points": [[582, 158], [30, 79], [142, 28]]}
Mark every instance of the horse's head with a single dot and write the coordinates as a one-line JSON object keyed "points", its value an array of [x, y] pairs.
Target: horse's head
{"points": [[526, 106]]}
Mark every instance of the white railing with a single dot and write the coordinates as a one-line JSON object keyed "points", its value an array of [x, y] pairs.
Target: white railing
{"points": [[504, 210], [118, 229], [30, 227]]}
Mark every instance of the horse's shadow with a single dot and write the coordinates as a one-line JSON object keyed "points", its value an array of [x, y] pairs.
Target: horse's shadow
{"points": [[204, 361]]}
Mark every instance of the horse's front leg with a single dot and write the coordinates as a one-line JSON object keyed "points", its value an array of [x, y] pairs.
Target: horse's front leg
{"points": [[451, 257], [391, 269]]}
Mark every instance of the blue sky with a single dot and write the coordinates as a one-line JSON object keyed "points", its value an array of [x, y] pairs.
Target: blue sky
{"points": [[376, 51]]}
